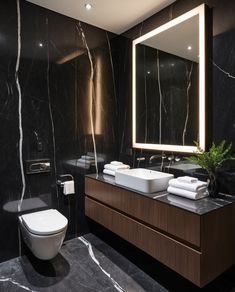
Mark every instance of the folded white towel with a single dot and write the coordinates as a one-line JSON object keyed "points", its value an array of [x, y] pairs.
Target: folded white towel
{"points": [[109, 172], [116, 162], [69, 187], [193, 187], [81, 160], [187, 194], [115, 167], [83, 165], [187, 179], [88, 157], [100, 157]]}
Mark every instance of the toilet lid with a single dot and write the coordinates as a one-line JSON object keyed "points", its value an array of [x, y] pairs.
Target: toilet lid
{"points": [[45, 222]]}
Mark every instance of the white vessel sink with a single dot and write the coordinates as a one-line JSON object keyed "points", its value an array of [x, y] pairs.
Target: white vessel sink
{"points": [[143, 180]]}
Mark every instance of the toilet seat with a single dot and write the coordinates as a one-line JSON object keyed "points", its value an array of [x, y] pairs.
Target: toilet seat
{"points": [[45, 222]]}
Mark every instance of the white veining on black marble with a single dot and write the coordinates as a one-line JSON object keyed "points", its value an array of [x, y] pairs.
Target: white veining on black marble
{"points": [[145, 101], [188, 76], [160, 98], [113, 73], [141, 28], [91, 253], [92, 97], [123, 133], [20, 104], [222, 70], [74, 270], [50, 111], [171, 12], [218, 204], [158, 196], [16, 284]]}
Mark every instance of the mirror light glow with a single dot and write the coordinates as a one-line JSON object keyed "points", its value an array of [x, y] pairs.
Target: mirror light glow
{"points": [[200, 10]]}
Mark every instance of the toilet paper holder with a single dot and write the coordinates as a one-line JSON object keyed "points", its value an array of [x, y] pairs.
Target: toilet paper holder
{"points": [[60, 181]]}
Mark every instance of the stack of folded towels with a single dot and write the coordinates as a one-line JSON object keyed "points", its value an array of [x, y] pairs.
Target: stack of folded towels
{"points": [[113, 166], [86, 161], [188, 187]]}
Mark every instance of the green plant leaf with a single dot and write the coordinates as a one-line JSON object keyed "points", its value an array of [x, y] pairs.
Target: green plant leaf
{"points": [[213, 159]]}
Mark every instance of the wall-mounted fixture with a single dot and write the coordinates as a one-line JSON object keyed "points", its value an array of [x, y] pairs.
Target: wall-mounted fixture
{"points": [[169, 105], [38, 166], [66, 181]]}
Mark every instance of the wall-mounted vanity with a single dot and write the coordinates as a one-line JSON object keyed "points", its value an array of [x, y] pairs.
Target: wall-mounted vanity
{"points": [[194, 238], [169, 85]]}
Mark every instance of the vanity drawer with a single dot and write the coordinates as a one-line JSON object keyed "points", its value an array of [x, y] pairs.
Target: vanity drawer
{"points": [[178, 223], [177, 256]]}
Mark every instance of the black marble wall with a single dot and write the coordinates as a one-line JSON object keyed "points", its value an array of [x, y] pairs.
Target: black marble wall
{"points": [[222, 73], [166, 85], [58, 100], [65, 90]]}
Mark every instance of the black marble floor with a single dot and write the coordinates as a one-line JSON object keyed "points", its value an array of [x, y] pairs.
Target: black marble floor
{"points": [[84, 264], [88, 264]]}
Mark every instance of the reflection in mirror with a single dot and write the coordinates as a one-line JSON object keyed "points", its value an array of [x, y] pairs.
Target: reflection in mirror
{"points": [[168, 85]]}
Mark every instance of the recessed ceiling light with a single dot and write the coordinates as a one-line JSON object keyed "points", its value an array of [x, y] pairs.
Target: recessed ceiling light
{"points": [[148, 72], [189, 48], [88, 6], [40, 45]]}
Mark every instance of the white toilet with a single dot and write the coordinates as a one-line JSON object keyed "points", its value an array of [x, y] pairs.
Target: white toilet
{"points": [[44, 232]]}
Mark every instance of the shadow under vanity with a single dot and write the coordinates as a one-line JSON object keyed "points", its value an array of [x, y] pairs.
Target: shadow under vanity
{"points": [[193, 238]]}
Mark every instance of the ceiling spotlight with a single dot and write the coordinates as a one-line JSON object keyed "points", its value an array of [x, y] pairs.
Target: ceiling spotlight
{"points": [[88, 6], [148, 72], [40, 45], [189, 48]]}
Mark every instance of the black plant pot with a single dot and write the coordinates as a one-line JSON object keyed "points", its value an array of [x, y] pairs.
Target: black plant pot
{"points": [[213, 187]]}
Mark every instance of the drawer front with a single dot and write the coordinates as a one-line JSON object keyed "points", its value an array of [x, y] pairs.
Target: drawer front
{"points": [[179, 257], [178, 223]]}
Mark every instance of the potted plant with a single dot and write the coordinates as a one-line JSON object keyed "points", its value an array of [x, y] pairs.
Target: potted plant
{"points": [[212, 161]]}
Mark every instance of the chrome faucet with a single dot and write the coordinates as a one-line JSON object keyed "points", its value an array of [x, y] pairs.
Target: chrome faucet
{"points": [[163, 157], [154, 157]]}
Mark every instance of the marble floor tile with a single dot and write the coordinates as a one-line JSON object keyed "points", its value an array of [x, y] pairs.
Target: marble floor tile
{"points": [[88, 264], [85, 264]]}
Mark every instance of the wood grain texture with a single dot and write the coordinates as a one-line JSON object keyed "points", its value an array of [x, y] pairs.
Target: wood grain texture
{"points": [[177, 256], [183, 225], [198, 247], [218, 242]]}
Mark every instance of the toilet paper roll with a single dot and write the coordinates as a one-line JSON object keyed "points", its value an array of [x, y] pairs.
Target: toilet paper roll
{"points": [[69, 187]]}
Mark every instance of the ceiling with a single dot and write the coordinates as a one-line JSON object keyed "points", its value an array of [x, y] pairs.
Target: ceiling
{"points": [[112, 15]]}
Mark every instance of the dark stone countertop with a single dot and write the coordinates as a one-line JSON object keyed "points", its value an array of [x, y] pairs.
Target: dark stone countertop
{"points": [[199, 207]]}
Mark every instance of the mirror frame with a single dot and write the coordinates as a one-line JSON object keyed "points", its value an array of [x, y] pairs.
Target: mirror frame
{"points": [[200, 10]]}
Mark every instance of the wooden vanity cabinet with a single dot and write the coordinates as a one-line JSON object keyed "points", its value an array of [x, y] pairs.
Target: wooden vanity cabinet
{"points": [[198, 247]]}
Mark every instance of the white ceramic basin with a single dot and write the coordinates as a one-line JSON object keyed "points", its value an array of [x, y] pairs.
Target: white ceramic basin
{"points": [[143, 180]]}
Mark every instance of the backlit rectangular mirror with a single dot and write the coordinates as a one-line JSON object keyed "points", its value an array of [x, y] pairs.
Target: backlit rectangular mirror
{"points": [[168, 82]]}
